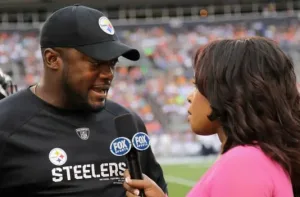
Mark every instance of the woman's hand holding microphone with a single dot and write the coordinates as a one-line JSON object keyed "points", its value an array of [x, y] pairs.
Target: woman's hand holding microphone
{"points": [[132, 186]]}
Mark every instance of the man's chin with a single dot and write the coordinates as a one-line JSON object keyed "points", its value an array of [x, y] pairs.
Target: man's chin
{"points": [[96, 106]]}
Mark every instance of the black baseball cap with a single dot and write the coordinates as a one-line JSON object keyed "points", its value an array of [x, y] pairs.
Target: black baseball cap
{"points": [[86, 29]]}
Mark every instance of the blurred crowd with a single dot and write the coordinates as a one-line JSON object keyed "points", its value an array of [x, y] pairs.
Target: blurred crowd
{"points": [[173, 47], [128, 90], [160, 100]]}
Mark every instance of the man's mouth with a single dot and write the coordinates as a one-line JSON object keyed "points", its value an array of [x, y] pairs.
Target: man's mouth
{"points": [[101, 91]]}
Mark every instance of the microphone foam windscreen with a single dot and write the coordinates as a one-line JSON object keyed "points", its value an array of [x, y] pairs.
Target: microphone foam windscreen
{"points": [[125, 126]]}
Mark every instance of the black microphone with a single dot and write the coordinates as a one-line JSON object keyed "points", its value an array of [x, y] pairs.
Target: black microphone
{"points": [[127, 129]]}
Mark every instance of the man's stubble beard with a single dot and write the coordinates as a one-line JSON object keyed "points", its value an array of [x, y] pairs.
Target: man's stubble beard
{"points": [[73, 99]]}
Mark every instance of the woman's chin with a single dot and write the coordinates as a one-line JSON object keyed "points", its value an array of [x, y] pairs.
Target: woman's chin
{"points": [[201, 131]]}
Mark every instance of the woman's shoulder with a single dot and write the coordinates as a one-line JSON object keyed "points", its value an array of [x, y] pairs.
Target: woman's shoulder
{"points": [[251, 161], [244, 151], [246, 154]]}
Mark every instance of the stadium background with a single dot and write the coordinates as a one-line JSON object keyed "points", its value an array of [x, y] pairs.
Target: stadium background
{"points": [[167, 34]]}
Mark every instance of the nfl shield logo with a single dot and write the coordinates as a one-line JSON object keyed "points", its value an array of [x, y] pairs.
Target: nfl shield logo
{"points": [[83, 133]]}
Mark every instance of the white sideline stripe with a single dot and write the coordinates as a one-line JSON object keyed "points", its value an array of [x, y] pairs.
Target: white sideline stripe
{"points": [[186, 160], [180, 181]]}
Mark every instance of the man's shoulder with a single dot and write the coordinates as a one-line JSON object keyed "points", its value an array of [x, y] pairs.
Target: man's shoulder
{"points": [[13, 101], [16, 107], [116, 109]]}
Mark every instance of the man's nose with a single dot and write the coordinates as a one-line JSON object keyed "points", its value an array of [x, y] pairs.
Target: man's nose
{"points": [[106, 72]]}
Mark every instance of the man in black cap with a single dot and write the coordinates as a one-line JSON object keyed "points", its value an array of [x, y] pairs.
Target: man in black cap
{"points": [[55, 136]]}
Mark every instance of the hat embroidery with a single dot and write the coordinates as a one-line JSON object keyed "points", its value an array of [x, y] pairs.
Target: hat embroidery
{"points": [[106, 25]]}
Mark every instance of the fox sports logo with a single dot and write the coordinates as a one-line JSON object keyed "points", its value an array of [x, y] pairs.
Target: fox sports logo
{"points": [[141, 141], [120, 146]]}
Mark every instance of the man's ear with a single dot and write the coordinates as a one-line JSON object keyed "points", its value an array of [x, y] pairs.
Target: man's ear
{"points": [[52, 58]]}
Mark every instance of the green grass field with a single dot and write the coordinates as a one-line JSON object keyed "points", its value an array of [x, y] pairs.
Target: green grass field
{"points": [[182, 177]]}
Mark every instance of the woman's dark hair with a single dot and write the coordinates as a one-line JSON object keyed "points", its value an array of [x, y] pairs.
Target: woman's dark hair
{"points": [[251, 86]]}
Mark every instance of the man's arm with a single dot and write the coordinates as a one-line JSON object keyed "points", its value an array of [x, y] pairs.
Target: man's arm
{"points": [[149, 165]]}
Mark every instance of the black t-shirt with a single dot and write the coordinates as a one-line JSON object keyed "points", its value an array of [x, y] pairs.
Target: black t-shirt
{"points": [[46, 151]]}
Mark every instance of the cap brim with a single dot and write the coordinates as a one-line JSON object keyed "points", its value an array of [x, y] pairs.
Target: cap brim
{"points": [[109, 50]]}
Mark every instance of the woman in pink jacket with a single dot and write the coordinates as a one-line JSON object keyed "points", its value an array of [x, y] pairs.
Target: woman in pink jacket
{"points": [[245, 91]]}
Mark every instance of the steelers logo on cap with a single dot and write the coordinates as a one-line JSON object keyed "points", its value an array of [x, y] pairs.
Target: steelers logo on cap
{"points": [[58, 156], [106, 25]]}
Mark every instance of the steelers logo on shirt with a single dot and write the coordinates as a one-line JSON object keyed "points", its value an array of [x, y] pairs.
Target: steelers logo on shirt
{"points": [[58, 156]]}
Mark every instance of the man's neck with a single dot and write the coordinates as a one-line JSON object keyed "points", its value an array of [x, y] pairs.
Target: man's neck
{"points": [[49, 93]]}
